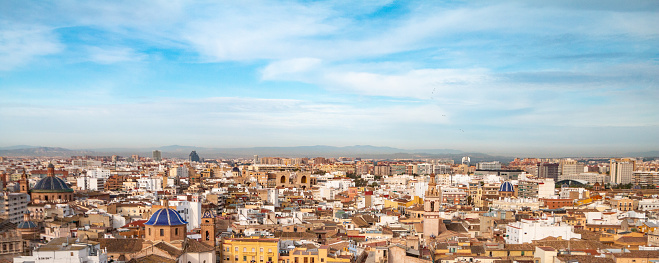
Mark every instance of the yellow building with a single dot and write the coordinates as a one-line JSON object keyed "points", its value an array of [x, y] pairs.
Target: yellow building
{"points": [[250, 250], [321, 255]]}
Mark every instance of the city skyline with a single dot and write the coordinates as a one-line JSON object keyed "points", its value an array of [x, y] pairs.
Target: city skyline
{"points": [[507, 78]]}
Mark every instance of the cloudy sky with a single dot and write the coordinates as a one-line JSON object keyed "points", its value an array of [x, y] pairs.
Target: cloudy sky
{"points": [[504, 77]]}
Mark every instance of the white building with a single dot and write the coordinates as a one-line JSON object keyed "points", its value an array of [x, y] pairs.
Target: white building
{"points": [[189, 210], [99, 173], [13, 205], [441, 169], [149, 184], [509, 204], [621, 172], [424, 168], [495, 165], [179, 171], [648, 204], [66, 250], [90, 183], [527, 230]]}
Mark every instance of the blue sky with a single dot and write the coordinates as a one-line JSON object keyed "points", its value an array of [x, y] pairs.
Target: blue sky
{"points": [[501, 77]]}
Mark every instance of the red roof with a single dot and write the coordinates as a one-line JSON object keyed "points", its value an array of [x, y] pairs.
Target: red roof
{"points": [[136, 223]]}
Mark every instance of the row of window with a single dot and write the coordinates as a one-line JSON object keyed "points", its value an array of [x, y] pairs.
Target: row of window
{"points": [[245, 249], [253, 259], [162, 232]]}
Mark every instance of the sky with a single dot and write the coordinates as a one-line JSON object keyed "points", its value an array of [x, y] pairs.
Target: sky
{"points": [[499, 77]]}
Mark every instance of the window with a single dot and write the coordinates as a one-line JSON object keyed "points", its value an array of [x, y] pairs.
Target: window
{"points": [[236, 249], [162, 232], [253, 249], [72, 254], [244, 258], [269, 250], [149, 231], [176, 231], [244, 249], [261, 250]]}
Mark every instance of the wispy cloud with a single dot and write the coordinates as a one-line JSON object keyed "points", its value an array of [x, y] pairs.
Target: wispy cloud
{"points": [[20, 45]]}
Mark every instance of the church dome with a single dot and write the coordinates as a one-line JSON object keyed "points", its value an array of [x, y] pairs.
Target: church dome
{"points": [[26, 225], [506, 187], [51, 184], [165, 217]]}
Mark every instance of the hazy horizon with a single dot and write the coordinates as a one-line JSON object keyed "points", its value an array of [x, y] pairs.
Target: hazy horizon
{"points": [[536, 78]]}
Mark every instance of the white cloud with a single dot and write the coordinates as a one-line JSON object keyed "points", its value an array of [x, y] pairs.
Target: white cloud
{"points": [[284, 69], [110, 55], [20, 45]]}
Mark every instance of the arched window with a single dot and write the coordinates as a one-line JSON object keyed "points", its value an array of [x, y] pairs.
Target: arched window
{"points": [[208, 236]]}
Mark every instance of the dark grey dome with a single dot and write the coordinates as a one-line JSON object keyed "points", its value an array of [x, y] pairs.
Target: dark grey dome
{"points": [[51, 184], [26, 224]]}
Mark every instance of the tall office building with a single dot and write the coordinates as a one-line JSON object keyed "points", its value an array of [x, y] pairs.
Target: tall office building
{"points": [[548, 170], [157, 156], [256, 159], [622, 170], [194, 157]]}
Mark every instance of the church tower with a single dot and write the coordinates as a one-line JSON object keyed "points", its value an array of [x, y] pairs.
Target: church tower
{"points": [[432, 222], [24, 184], [208, 228]]}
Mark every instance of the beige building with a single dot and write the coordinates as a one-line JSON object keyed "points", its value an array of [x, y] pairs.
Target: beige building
{"points": [[621, 170]]}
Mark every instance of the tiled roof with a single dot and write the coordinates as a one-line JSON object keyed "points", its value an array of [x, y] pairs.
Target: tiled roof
{"points": [[121, 245], [584, 259], [152, 259], [171, 250], [194, 246]]}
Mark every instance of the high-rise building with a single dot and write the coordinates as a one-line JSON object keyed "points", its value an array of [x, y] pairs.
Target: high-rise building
{"points": [[157, 155], [495, 165], [256, 159], [569, 167], [548, 170], [622, 170], [194, 157]]}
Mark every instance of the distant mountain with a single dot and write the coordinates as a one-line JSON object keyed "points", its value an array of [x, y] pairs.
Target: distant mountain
{"points": [[15, 147], [179, 151], [643, 154], [44, 152]]}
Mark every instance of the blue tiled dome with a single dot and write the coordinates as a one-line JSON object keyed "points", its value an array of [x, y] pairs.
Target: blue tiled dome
{"points": [[26, 224], [506, 187], [51, 184], [165, 217]]}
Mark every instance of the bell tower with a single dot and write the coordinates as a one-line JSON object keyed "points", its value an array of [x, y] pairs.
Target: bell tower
{"points": [[24, 184], [432, 222], [208, 228]]}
